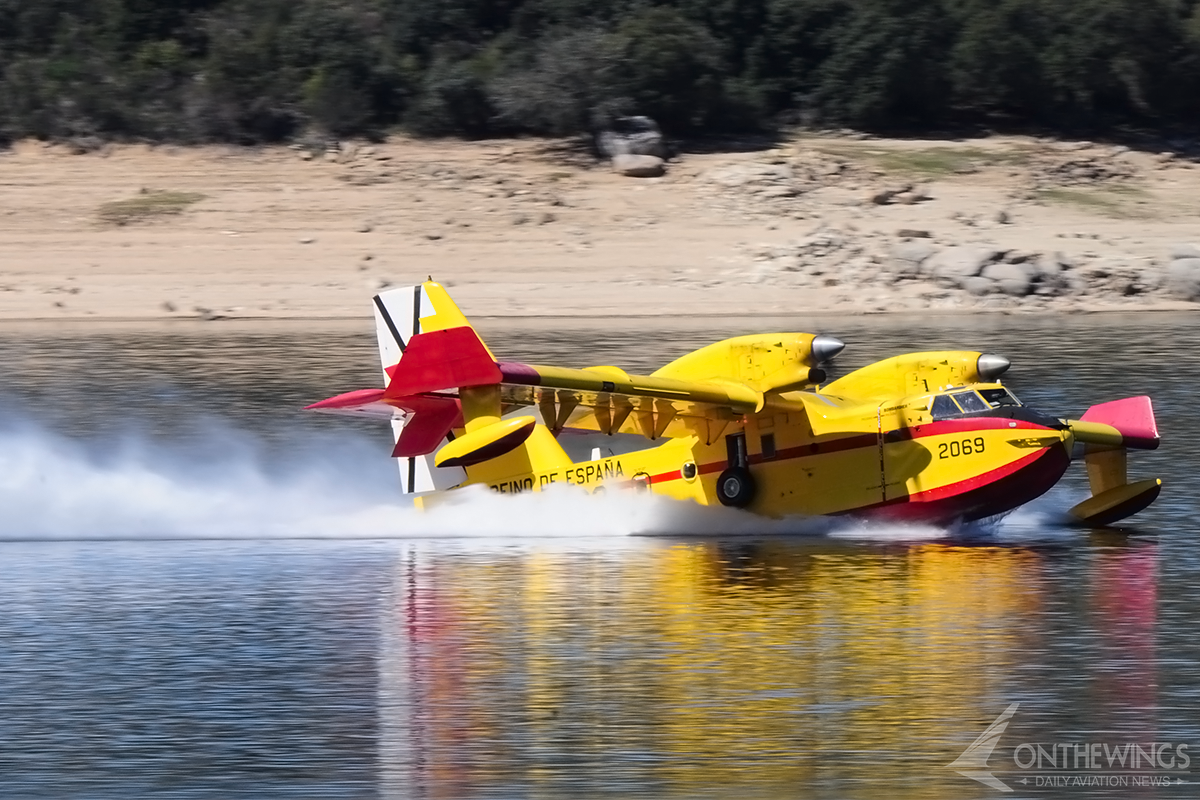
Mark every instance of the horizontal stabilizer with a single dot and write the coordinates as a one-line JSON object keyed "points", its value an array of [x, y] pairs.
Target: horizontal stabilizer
{"points": [[426, 418], [454, 358], [359, 403], [431, 419]]}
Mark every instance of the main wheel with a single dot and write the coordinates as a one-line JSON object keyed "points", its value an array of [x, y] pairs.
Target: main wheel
{"points": [[735, 487]]}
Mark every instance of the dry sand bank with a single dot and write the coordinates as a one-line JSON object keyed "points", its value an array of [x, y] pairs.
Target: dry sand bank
{"points": [[519, 230]]}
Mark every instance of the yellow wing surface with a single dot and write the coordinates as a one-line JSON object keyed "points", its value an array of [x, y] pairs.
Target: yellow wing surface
{"points": [[440, 359], [698, 394]]}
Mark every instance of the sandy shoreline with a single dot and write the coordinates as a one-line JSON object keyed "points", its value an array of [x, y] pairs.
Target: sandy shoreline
{"points": [[518, 231], [592, 320]]}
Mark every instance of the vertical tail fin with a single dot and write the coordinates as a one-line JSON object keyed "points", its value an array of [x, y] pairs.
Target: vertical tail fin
{"points": [[401, 314]]}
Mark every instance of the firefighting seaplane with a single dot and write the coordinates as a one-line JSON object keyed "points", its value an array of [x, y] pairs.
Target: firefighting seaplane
{"points": [[748, 422]]}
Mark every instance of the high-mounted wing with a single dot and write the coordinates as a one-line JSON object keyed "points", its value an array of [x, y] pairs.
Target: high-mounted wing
{"points": [[426, 384], [445, 379], [698, 394], [438, 366], [609, 400]]}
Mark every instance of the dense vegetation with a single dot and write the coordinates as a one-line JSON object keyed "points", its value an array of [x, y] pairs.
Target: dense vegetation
{"points": [[260, 70]]}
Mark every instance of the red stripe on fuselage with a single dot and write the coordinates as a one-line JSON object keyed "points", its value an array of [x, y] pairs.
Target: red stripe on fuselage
{"points": [[868, 440], [961, 425], [821, 448], [984, 495]]}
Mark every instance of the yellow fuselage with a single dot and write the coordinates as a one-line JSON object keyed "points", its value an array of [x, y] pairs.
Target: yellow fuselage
{"points": [[888, 457]]}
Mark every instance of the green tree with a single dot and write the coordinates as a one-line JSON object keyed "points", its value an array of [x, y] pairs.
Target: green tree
{"points": [[575, 82], [886, 65], [1106, 60], [247, 95], [261, 70], [799, 37], [674, 71], [453, 97], [995, 64]]}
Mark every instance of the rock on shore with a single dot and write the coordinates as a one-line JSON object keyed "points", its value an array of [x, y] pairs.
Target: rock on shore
{"points": [[831, 255]]}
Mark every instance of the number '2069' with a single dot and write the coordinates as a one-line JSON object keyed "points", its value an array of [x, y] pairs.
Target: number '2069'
{"points": [[961, 448]]}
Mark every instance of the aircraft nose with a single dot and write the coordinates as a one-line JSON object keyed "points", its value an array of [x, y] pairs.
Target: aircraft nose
{"points": [[826, 348]]}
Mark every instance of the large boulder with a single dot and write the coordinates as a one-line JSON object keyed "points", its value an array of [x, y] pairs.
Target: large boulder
{"points": [[978, 286], [907, 257], [634, 166], [955, 264], [1183, 278], [637, 136], [1012, 279], [1051, 267], [1050, 273], [1120, 277]]}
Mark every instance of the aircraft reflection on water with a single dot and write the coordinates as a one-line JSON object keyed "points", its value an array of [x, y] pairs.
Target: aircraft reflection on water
{"points": [[707, 666]]}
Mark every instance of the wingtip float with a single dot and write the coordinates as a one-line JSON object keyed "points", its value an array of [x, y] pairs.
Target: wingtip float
{"points": [[747, 422]]}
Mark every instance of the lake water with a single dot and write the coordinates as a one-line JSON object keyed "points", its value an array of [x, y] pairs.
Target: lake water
{"points": [[207, 593]]}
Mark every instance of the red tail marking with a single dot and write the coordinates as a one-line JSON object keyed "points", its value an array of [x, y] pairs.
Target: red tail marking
{"points": [[433, 417], [449, 359], [1133, 417]]}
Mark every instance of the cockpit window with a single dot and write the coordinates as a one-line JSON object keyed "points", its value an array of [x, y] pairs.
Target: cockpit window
{"points": [[970, 402], [999, 397], [948, 406], [944, 407]]}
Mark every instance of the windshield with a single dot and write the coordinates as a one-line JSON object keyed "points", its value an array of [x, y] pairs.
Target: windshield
{"points": [[999, 397], [970, 402], [943, 407]]}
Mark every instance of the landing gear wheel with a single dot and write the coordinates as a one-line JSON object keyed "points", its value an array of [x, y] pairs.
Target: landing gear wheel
{"points": [[735, 487]]}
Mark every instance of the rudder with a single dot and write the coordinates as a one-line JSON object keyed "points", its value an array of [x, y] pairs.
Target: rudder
{"points": [[401, 314]]}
